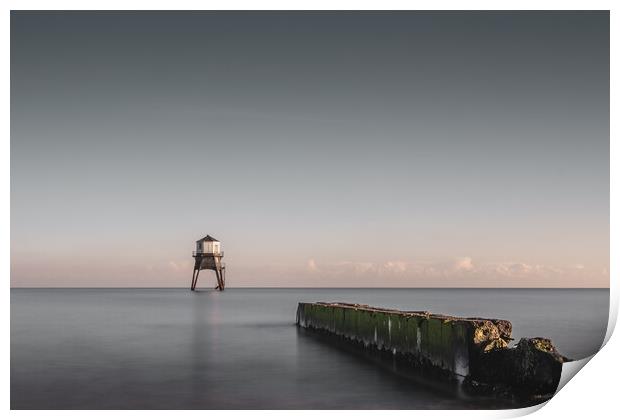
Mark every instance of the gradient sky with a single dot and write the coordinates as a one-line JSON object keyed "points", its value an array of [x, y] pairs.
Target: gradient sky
{"points": [[322, 149]]}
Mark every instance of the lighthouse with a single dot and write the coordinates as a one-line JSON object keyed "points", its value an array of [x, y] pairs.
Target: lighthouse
{"points": [[208, 256]]}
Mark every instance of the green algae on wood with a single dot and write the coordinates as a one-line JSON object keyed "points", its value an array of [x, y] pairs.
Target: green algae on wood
{"points": [[472, 350]]}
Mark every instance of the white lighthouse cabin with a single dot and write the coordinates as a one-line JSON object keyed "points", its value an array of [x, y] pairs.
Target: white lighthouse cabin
{"points": [[208, 245]]}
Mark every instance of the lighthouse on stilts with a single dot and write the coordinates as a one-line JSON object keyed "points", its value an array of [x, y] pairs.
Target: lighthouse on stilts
{"points": [[208, 256]]}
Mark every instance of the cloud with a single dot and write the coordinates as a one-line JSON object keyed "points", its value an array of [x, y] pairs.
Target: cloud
{"points": [[456, 272], [464, 264], [461, 271], [311, 265], [396, 266], [179, 266], [518, 269]]}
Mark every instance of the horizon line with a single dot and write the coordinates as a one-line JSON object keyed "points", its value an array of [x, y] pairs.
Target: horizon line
{"points": [[294, 287]]}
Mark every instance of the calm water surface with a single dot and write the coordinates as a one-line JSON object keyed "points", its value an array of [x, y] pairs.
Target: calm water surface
{"points": [[172, 349]]}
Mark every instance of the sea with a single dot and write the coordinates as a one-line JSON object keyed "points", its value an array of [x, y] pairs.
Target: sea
{"points": [[241, 349]]}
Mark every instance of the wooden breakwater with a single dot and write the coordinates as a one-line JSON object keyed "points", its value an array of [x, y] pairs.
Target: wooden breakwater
{"points": [[475, 352]]}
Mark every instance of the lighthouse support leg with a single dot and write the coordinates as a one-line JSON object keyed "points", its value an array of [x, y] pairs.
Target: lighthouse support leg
{"points": [[195, 280], [193, 276], [223, 277], [219, 281]]}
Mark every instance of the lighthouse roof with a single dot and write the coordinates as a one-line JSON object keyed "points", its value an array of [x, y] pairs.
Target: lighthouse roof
{"points": [[207, 238]]}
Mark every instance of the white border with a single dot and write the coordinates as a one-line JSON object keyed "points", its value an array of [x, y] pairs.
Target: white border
{"points": [[591, 394]]}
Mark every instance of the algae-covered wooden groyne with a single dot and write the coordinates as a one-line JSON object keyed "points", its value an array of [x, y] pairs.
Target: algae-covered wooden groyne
{"points": [[473, 351]]}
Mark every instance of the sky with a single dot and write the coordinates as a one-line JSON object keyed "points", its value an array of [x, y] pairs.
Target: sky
{"points": [[323, 149]]}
